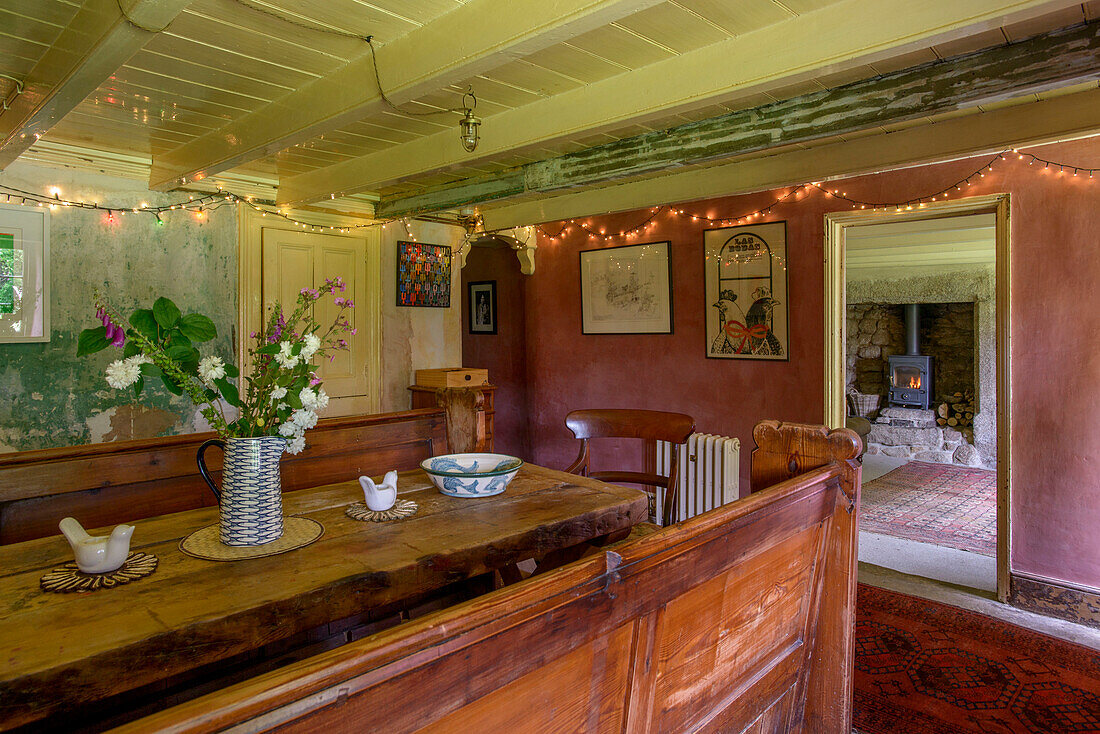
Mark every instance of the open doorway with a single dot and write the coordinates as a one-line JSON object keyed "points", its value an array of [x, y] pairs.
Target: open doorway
{"points": [[917, 302]]}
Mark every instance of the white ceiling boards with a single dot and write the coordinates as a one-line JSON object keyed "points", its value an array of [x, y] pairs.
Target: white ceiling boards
{"points": [[282, 93]]}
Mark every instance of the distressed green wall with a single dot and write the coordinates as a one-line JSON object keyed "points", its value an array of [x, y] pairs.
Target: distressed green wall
{"points": [[48, 396]]}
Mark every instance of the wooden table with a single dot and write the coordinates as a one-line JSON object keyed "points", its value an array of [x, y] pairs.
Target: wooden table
{"points": [[60, 651]]}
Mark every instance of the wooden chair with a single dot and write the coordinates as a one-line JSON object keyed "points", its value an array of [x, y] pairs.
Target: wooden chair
{"points": [[649, 425]]}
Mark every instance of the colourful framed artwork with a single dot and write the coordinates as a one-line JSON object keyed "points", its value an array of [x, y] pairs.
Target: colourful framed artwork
{"points": [[423, 275], [627, 290], [24, 274], [746, 292]]}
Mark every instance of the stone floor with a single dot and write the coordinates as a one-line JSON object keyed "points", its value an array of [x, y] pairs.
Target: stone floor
{"points": [[949, 565]]}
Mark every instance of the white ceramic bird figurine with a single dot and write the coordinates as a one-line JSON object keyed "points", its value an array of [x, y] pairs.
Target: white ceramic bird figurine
{"points": [[382, 496], [97, 553]]}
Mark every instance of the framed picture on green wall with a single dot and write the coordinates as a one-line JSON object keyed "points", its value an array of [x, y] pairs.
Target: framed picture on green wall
{"points": [[24, 274]]}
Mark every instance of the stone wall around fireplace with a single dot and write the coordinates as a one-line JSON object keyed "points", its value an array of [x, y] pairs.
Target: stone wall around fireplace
{"points": [[958, 310]]}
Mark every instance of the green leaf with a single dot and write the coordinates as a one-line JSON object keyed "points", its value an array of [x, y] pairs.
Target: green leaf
{"points": [[150, 370], [197, 327], [145, 323], [231, 371], [229, 392], [131, 350], [171, 385], [92, 341], [293, 400], [269, 349], [297, 349], [177, 339], [139, 386], [210, 394], [166, 313], [180, 352]]}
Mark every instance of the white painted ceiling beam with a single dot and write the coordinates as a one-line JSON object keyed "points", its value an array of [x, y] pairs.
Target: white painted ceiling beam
{"points": [[1061, 118], [475, 37], [97, 41], [838, 37]]}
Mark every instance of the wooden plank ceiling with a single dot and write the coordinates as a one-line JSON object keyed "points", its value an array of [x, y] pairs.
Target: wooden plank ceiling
{"points": [[223, 66]]}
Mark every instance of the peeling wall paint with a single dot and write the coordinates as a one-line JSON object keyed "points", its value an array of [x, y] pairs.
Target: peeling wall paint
{"points": [[417, 338], [49, 396]]}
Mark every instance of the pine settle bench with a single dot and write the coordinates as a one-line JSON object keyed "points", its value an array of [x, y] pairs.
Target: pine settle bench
{"points": [[111, 483], [738, 620]]}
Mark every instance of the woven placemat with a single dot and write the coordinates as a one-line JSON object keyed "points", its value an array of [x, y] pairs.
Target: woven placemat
{"points": [[68, 578], [206, 543], [400, 510]]}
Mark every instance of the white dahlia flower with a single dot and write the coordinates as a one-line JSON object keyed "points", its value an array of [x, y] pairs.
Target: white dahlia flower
{"points": [[211, 368], [311, 343], [122, 373]]}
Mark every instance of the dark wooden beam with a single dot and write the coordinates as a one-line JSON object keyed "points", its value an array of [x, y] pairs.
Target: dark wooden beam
{"points": [[1048, 61]]}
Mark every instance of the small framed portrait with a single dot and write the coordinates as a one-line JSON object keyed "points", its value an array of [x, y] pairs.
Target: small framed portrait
{"points": [[483, 307]]}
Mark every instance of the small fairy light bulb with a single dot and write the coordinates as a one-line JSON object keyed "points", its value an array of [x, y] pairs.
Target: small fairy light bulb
{"points": [[55, 192]]}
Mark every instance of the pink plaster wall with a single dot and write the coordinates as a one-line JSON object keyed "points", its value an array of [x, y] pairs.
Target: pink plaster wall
{"points": [[1055, 336], [504, 354]]}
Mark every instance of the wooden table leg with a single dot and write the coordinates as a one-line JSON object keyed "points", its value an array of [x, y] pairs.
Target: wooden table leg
{"points": [[560, 557]]}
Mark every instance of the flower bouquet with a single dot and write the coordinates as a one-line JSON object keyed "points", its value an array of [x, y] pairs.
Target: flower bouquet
{"points": [[259, 417]]}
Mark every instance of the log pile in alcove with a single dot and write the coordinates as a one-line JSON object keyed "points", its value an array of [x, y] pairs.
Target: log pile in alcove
{"points": [[957, 411]]}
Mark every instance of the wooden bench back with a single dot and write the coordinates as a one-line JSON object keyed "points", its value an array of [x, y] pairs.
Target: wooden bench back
{"points": [[108, 483], [739, 619]]}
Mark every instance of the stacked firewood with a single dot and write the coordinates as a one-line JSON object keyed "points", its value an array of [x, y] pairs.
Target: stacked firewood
{"points": [[957, 411]]}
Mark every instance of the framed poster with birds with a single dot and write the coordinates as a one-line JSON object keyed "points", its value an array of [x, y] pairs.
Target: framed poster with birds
{"points": [[746, 292]]}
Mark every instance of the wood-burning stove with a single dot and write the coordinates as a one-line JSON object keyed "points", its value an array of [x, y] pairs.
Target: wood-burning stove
{"points": [[911, 373]]}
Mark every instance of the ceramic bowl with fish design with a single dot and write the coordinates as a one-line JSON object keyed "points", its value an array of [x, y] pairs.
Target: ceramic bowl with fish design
{"points": [[471, 475]]}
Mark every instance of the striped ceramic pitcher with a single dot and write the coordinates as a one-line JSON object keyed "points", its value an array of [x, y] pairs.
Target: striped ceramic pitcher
{"points": [[251, 495]]}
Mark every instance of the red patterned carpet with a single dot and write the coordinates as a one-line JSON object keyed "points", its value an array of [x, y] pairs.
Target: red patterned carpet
{"points": [[946, 505], [926, 668]]}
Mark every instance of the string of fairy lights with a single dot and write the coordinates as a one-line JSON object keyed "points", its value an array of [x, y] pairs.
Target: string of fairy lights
{"points": [[800, 191], [199, 205]]}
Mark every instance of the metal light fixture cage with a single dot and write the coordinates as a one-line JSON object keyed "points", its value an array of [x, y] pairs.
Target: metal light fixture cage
{"points": [[469, 124]]}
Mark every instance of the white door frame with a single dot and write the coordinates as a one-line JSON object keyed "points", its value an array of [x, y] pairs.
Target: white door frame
{"points": [[836, 225], [250, 281]]}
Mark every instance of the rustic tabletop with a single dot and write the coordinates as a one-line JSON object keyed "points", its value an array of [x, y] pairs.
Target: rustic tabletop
{"points": [[62, 650]]}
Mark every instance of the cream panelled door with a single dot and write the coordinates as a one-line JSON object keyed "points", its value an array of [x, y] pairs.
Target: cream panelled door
{"points": [[295, 260]]}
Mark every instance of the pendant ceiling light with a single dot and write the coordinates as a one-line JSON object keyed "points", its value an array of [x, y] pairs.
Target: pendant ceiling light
{"points": [[468, 126]]}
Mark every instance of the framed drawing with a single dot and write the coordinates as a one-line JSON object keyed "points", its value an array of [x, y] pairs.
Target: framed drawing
{"points": [[483, 307], [24, 274], [627, 290], [423, 275], [746, 289]]}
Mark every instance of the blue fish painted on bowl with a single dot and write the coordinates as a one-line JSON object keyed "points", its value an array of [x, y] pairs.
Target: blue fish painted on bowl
{"points": [[471, 475]]}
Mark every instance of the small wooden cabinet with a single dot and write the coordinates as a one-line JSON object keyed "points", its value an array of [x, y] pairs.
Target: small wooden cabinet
{"points": [[469, 414]]}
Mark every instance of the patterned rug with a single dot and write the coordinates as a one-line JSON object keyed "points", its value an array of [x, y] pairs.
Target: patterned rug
{"points": [[926, 668], [946, 505]]}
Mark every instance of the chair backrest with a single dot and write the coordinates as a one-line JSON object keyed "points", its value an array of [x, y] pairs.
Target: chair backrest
{"points": [[648, 425]]}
